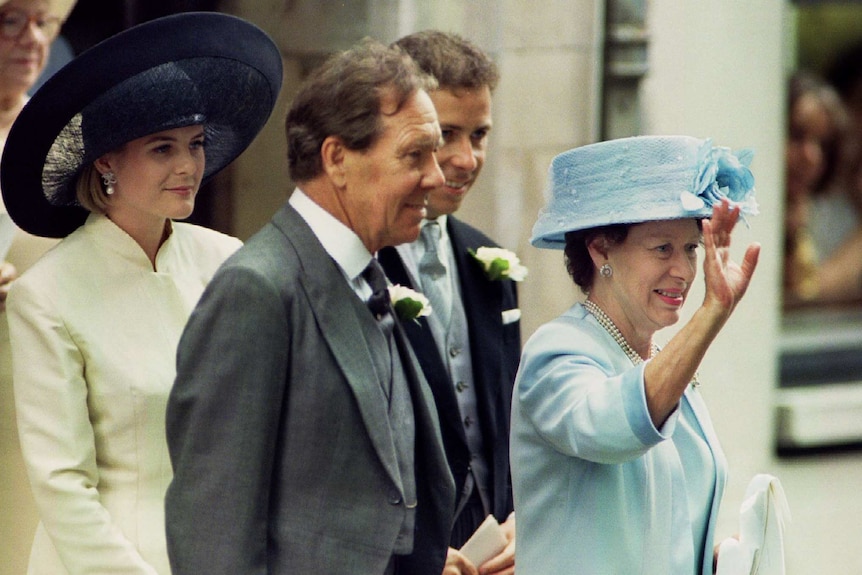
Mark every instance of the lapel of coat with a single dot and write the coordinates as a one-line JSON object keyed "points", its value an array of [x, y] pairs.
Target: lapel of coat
{"points": [[425, 348], [342, 315], [423, 401], [698, 406], [433, 474]]}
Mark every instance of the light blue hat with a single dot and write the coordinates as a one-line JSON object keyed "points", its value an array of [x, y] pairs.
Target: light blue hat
{"points": [[640, 179]]}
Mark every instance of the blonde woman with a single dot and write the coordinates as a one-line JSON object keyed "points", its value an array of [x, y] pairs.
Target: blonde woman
{"points": [[108, 154]]}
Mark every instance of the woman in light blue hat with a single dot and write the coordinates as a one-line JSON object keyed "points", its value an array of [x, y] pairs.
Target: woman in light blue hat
{"points": [[616, 467]]}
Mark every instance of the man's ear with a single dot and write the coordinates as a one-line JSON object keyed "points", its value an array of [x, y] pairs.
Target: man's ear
{"points": [[334, 156]]}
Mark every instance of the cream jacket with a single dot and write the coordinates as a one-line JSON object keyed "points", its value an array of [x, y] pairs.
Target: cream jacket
{"points": [[94, 332]]}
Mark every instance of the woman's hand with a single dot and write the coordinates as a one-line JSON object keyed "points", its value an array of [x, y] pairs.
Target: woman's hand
{"points": [[670, 372], [726, 281]]}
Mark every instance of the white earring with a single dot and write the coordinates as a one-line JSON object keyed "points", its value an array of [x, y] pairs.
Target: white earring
{"points": [[606, 271], [109, 179]]}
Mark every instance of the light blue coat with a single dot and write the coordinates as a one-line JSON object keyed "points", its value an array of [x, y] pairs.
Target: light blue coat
{"points": [[598, 489]]}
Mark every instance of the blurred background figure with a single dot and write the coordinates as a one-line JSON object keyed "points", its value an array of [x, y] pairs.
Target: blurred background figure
{"points": [[816, 130], [27, 29], [837, 223]]}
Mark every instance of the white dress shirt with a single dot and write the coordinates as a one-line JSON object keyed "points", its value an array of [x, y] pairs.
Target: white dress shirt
{"points": [[340, 242]]}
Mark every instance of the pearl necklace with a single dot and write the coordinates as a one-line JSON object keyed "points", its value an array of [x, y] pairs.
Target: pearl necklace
{"points": [[607, 323], [615, 333]]}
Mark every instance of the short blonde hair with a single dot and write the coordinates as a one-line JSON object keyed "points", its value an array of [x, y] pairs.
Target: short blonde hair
{"points": [[91, 191]]}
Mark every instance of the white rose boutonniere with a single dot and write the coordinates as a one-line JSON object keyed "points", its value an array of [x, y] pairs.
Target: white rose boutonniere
{"points": [[408, 304], [500, 264]]}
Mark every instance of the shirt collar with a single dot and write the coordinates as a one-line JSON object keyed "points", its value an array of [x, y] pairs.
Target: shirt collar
{"points": [[340, 242]]}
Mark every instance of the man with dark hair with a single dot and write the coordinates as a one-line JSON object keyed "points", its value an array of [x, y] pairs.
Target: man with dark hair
{"points": [[470, 345], [303, 435]]}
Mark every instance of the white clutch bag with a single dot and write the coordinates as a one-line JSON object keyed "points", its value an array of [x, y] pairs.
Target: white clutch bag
{"points": [[762, 518]]}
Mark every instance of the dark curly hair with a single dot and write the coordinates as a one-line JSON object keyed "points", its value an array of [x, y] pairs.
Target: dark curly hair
{"points": [[579, 264]]}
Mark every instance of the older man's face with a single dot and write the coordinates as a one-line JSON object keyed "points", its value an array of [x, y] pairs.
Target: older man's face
{"points": [[387, 184]]}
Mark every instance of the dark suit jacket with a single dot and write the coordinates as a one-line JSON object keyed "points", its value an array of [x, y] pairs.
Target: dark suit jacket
{"points": [[277, 428], [495, 349]]}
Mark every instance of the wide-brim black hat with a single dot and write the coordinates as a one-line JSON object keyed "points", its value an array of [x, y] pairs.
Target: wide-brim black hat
{"points": [[191, 68]]}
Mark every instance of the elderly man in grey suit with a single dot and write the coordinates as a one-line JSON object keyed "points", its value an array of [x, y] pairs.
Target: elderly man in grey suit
{"points": [[303, 436]]}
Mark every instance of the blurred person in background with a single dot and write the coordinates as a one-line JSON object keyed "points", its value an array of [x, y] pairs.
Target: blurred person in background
{"points": [[823, 197], [27, 29], [817, 130], [836, 214]]}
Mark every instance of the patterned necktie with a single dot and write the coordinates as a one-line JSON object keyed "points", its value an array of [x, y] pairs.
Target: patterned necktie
{"points": [[432, 274], [379, 301]]}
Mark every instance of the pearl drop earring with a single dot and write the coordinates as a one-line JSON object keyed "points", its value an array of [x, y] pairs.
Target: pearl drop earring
{"points": [[109, 179]]}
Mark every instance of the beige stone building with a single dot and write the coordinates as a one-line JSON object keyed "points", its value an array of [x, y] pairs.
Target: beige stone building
{"points": [[575, 72]]}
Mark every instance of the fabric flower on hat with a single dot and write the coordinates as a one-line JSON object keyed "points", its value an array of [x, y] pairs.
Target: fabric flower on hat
{"points": [[723, 174], [500, 264], [409, 304]]}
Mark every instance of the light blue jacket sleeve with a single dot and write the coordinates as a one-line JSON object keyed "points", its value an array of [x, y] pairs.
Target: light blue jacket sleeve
{"points": [[582, 394]]}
